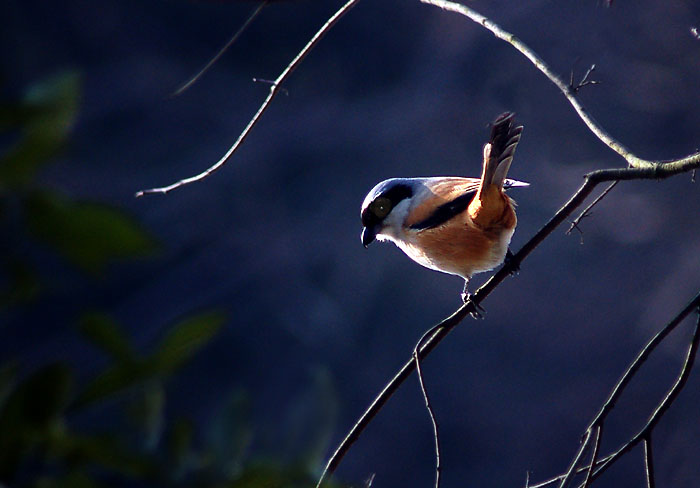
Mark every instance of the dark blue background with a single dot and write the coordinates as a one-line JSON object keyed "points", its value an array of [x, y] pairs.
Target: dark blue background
{"points": [[396, 89]]}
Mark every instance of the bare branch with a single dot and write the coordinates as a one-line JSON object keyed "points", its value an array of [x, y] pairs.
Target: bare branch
{"points": [[431, 412], [584, 81], [649, 462], [633, 160], [594, 455], [428, 405], [274, 88], [445, 327], [672, 394], [640, 360], [645, 433], [587, 211], [221, 52]]}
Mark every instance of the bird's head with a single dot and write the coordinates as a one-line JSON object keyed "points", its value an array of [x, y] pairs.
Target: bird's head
{"points": [[385, 208]]}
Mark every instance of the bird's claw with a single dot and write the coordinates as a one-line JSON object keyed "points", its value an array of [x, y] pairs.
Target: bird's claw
{"points": [[478, 312], [508, 261]]}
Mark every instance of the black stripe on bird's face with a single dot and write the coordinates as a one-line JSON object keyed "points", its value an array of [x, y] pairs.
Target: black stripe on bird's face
{"points": [[381, 205], [445, 212]]}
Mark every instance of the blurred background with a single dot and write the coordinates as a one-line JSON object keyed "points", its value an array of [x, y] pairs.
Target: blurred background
{"points": [[231, 332]]}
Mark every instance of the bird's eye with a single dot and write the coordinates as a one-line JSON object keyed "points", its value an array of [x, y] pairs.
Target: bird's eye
{"points": [[381, 207]]}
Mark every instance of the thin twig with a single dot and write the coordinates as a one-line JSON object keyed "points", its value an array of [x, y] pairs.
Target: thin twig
{"points": [[640, 360], [592, 180], [607, 461], [573, 466], [431, 412], [274, 88], [428, 404], [633, 160], [587, 211], [668, 400], [594, 455], [641, 169], [584, 81], [221, 52], [649, 462]]}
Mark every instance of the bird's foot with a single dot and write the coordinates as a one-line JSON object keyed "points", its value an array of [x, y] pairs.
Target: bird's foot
{"points": [[508, 261], [478, 312]]}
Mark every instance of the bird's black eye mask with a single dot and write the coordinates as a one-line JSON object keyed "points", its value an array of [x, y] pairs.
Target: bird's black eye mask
{"points": [[383, 203]]}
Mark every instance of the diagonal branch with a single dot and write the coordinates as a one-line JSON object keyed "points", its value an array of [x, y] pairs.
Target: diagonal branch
{"points": [[431, 413], [645, 433], [668, 400], [587, 211], [568, 91], [223, 50], [648, 462], [274, 89], [592, 180]]}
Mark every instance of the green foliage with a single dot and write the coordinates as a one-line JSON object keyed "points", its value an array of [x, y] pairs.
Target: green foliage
{"points": [[39, 447], [44, 118], [179, 345], [89, 235], [44, 439], [183, 341], [31, 413], [106, 334]]}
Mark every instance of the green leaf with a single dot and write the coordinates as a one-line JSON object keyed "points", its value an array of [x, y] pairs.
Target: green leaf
{"points": [[180, 444], [146, 411], [45, 117], [102, 450], [268, 475], [230, 434], [112, 380], [185, 339], [104, 332], [88, 234], [8, 373], [41, 397], [23, 285], [310, 419], [181, 343], [31, 414]]}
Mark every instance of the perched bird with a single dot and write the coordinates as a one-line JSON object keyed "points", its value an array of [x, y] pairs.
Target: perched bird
{"points": [[456, 225]]}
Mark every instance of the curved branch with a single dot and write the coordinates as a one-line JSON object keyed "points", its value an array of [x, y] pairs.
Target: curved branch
{"points": [[222, 51], [644, 434], [592, 180], [568, 91], [670, 397], [266, 103]]}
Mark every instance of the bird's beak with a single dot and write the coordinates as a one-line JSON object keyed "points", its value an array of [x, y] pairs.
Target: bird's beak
{"points": [[369, 234]]}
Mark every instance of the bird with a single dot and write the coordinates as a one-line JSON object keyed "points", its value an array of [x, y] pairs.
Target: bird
{"points": [[455, 225]]}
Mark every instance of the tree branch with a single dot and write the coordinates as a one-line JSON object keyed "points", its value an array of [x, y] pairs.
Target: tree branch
{"points": [[587, 211], [443, 328], [431, 413], [670, 397], [221, 52], [266, 103], [648, 462], [568, 91], [645, 433]]}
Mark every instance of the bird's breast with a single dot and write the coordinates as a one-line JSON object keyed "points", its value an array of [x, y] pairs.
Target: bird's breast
{"points": [[458, 247]]}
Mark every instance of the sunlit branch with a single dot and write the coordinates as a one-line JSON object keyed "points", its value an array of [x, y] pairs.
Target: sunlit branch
{"points": [[274, 89], [568, 91]]}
